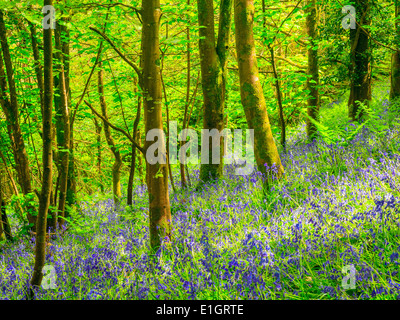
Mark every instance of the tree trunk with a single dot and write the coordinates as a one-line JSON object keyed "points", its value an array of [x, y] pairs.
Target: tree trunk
{"points": [[133, 160], [312, 70], [360, 82], [38, 66], [141, 174], [395, 72], [132, 169], [44, 201], [4, 223], [71, 184], [5, 227], [10, 108], [2, 233], [252, 95], [282, 122], [71, 178], [63, 128], [116, 169], [213, 59], [188, 73], [157, 174], [99, 128], [277, 83]]}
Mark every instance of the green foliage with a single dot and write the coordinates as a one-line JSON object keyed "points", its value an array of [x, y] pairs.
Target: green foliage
{"points": [[284, 31], [334, 127]]}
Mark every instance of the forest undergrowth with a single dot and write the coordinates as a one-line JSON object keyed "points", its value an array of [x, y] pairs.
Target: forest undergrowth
{"points": [[337, 206]]}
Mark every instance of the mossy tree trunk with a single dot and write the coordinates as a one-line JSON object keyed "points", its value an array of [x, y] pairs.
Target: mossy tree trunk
{"points": [[157, 174], [62, 127], [312, 70], [37, 64], [99, 128], [116, 169], [140, 156], [213, 60], [360, 57], [395, 72], [252, 95], [129, 201], [278, 85], [10, 108], [71, 177], [5, 228], [47, 157], [2, 234], [71, 183]]}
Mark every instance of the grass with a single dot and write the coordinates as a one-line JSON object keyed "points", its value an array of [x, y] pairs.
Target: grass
{"points": [[337, 206]]}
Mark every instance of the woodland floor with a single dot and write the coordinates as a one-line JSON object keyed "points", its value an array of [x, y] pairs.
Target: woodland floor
{"points": [[338, 206]]}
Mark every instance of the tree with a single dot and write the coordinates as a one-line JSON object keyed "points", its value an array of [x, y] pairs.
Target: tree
{"points": [[71, 177], [47, 156], [116, 169], [2, 233], [135, 135], [360, 57], [395, 72], [213, 59], [312, 70], [9, 105], [62, 126], [5, 228], [251, 91], [157, 173], [187, 102], [99, 128]]}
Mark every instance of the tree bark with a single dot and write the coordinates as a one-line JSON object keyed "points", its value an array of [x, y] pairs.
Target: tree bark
{"points": [[10, 108], [312, 70], [141, 174], [63, 128], [188, 73], [213, 60], [252, 95], [12, 182], [360, 56], [99, 128], [116, 169], [395, 68], [71, 177], [133, 160], [134, 136], [5, 227], [44, 202], [157, 174], [132, 169], [282, 122], [171, 177], [2, 233], [38, 66], [71, 184]]}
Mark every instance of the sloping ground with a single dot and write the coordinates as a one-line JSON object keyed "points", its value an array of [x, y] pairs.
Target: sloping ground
{"points": [[338, 206]]}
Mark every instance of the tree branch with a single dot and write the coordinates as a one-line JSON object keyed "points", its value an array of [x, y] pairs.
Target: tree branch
{"points": [[370, 36], [132, 64], [87, 84], [115, 128], [291, 62], [225, 20]]}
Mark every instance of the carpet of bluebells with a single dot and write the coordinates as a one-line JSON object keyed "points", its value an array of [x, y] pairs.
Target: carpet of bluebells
{"points": [[337, 206]]}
